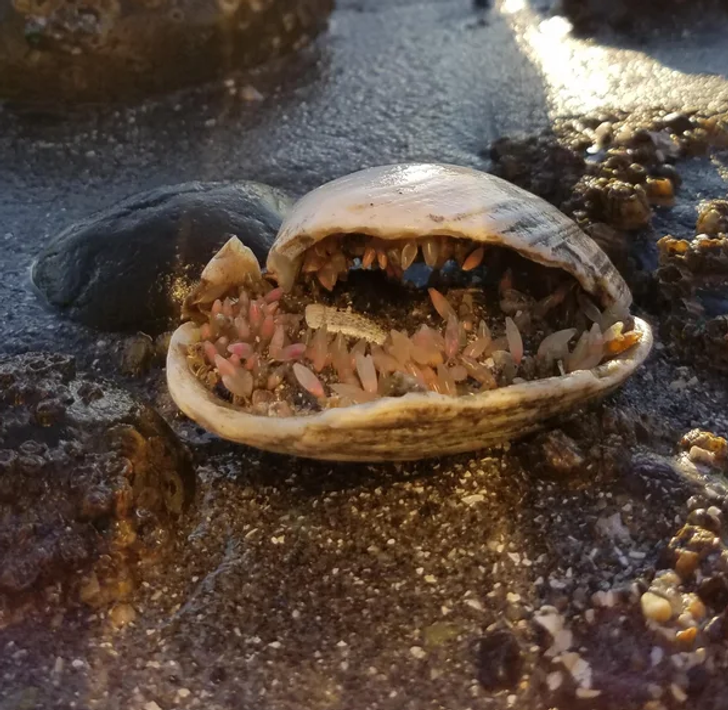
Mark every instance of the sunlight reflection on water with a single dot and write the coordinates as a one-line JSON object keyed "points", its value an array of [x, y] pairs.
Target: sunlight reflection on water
{"points": [[583, 75]]}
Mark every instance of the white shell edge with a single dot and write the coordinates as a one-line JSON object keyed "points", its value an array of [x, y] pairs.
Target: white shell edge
{"points": [[412, 427]]}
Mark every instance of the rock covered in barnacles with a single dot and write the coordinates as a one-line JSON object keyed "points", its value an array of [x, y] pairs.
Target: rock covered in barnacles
{"points": [[692, 277], [91, 481], [706, 448], [616, 202], [713, 218], [625, 175], [130, 267], [93, 51], [703, 256]]}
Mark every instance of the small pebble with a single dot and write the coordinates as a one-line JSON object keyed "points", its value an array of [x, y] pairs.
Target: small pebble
{"points": [[554, 680], [696, 608], [687, 563], [678, 693], [122, 614], [656, 655], [686, 637], [587, 693], [655, 608]]}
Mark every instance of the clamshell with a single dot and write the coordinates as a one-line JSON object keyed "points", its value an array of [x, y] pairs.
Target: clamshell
{"points": [[402, 202]]}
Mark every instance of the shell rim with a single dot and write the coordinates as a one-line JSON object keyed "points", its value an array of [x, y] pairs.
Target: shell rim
{"points": [[234, 424]]}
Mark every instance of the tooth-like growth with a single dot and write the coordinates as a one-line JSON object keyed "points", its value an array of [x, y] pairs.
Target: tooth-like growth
{"points": [[267, 348], [234, 266]]}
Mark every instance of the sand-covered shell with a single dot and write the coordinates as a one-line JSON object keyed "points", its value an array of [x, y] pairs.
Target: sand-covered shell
{"points": [[414, 201]]}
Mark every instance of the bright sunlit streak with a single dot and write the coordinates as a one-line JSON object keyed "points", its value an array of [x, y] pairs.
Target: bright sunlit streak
{"points": [[510, 7], [583, 75]]}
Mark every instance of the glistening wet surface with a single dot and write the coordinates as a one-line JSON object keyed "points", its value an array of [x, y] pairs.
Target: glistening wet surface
{"points": [[294, 584]]}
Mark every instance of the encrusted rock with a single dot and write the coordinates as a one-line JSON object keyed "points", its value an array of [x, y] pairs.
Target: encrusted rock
{"points": [[130, 267], [618, 203], [713, 218], [91, 481], [705, 447], [538, 164], [692, 278], [701, 260], [107, 50]]}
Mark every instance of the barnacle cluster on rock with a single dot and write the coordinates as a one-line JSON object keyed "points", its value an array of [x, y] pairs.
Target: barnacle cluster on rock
{"points": [[706, 448], [609, 167], [686, 603], [693, 275], [609, 171], [90, 483]]}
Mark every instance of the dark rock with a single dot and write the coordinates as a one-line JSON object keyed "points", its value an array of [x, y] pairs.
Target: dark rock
{"points": [[500, 662], [626, 16], [130, 266], [137, 354], [650, 475], [698, 679], [677, 122], [714, 592], [698, 340], [558, 454], [85, 492], [538, 164], [716, 629], [60, 50]]}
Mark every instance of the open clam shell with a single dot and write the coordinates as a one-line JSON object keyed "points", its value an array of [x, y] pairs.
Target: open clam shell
{"points": [[407, 202]]}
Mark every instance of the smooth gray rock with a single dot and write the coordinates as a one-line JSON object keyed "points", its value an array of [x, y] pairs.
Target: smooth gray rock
{"points": [[130, 266]]}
